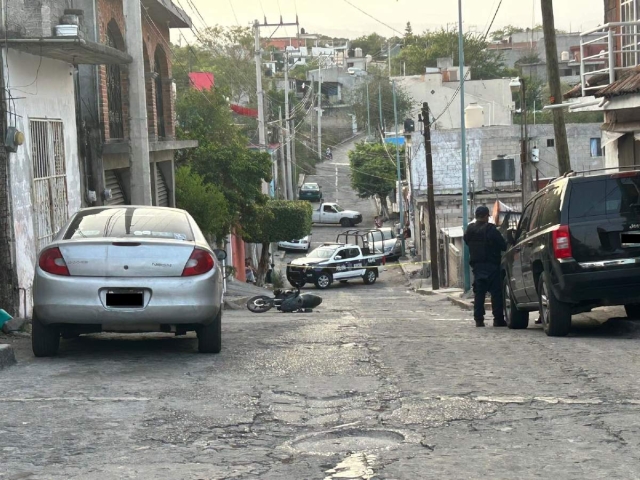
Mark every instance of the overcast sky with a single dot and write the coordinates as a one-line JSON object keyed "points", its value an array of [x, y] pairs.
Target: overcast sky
{"points": [[338, 18]]}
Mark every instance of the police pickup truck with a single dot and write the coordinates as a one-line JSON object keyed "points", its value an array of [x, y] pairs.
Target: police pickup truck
{"points": [[339, 261]]}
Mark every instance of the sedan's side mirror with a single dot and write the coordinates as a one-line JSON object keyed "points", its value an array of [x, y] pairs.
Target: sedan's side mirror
{"points": [[511, 239], [221, 255], [337, 257]]}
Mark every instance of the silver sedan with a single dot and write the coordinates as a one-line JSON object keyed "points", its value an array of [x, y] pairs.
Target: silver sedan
{"points": [[128, 269]]}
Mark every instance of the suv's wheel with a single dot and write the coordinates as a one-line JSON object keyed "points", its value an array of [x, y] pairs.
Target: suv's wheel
{"points": [[370, 277], [345, 222], [324, 280], [45, 339], [633, 310], [210, 336], [516, 319], [555, 315]]}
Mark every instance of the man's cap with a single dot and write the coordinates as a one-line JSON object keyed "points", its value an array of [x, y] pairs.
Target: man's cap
{"points": [[482, 211]]}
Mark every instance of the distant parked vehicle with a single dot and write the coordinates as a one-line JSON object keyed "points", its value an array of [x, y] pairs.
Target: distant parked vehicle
{"points": [[128, 269], [576, 247], [388, 243], [298, 245], [334, 213], [311, 192]]}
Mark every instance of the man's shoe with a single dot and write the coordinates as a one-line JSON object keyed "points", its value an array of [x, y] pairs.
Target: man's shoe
{"points": [[499, 323], [479, 323]]}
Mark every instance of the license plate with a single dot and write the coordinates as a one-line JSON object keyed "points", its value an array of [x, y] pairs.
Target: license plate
{"points": [[630, 240], [125, 299]]}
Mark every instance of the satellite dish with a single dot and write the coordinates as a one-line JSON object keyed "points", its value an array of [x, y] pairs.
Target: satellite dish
{"points": [[303, 31]]}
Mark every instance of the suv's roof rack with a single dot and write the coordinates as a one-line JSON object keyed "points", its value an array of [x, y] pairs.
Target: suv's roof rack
{"points": [[595, 171]]}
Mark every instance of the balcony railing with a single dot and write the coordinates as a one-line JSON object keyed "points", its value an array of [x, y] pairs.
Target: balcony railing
{"points": [[622, 53]]}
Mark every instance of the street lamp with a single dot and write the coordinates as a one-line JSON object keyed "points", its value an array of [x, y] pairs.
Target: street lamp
{"points": [[518, 85]]}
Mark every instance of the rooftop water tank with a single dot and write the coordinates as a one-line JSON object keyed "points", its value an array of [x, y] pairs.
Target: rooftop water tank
{"points": [[474, 116], [565, 56], [358, 52]]}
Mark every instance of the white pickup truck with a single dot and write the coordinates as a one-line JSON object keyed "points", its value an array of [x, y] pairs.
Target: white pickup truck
{"points": [[334, 213]]}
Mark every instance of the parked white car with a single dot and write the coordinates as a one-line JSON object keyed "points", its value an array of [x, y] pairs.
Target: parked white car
{"points": [[300, 245]]}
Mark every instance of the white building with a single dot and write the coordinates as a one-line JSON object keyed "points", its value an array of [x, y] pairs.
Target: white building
{"points": [[440, 90]]}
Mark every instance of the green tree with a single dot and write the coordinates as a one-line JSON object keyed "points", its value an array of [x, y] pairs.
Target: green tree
{"points": [[378, 80], [276, 221], [204, 201], [430, 46], [227, 52], [506, 32], [373, 172], [222, 157], [372, 44]]}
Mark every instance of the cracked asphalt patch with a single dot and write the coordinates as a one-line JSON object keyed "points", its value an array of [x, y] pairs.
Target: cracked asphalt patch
{"points": [[377, 383]]}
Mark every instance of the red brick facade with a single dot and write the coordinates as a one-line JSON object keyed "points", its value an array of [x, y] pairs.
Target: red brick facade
{"points": [[611, 11], [155, 36]]}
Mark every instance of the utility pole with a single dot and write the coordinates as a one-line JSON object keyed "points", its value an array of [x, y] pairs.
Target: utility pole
{"points": [[389, 57], [287, 172], [560, 130], [431, 206], [283, 178], [368, 115], [525, 164], [320, 108], [258, 57], [138, 125], [400, 192], [380, 108], [463, 151], [311, 134]]}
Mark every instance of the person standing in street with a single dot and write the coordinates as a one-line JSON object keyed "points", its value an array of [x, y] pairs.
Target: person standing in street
{"points": [[486, 245]]}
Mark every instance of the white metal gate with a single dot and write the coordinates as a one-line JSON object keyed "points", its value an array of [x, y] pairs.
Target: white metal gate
{"points": [[49, 179], [161, 188]]}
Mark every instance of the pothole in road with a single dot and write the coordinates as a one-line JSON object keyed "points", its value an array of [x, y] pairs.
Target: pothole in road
{"points": [[352, 440]]}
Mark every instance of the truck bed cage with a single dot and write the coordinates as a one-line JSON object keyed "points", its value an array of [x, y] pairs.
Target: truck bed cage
{"points": [[364, 239]]}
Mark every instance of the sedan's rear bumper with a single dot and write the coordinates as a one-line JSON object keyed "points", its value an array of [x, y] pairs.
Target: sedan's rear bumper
{"points": [[168, 300]]}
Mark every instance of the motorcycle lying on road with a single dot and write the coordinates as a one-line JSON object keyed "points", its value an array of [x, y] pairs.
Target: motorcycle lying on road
{"points": [[288, 301]]}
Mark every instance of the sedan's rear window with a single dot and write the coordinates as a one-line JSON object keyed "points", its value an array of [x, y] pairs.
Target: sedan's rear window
{"points": [[135, 222]]}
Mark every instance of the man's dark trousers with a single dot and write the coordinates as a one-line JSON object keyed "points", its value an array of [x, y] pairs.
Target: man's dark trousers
{"points": [[487, 279]]}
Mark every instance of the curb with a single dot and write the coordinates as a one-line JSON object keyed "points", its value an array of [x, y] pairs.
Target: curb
{"points": [[236, 303], [7, 357], [464, 304]]}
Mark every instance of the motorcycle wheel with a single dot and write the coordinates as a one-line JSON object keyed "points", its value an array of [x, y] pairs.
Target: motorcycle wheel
{"points": [[260, 304]]}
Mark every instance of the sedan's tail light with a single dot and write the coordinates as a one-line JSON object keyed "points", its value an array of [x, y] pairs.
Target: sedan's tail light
{"points": [[199, 263], [52, 261], [562, 242]]}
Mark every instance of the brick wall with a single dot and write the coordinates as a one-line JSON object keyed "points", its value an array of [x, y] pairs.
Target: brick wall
{"points": [[611, 11], [155, 36]]}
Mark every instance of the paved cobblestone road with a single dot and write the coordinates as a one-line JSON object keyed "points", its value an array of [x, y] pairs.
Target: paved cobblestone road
{"points": [[379, 382]]}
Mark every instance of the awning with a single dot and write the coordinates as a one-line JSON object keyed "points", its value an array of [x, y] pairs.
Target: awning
{"points": [[74, 50], [164, 11]]}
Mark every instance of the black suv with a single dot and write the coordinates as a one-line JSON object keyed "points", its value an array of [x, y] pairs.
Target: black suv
{"points": [[576, 247]]}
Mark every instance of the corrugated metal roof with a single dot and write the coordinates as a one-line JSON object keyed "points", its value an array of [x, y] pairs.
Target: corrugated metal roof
{"points": [[628, 83]]}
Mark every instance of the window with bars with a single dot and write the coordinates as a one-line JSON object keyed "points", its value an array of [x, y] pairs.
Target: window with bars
{"points": [[49, 179], [159, 96], [629, 39], [114, 93]]}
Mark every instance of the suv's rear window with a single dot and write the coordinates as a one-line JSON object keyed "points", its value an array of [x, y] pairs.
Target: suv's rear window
{"points": [[134, 222], [604, 197]]}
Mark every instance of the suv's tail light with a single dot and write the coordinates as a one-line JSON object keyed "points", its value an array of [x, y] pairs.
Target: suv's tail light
{"points": [[562, 242], [52, 261], [199, 262]]}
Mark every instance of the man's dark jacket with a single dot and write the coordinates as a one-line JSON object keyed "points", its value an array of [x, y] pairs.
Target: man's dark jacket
{"points": [[485, 242]]}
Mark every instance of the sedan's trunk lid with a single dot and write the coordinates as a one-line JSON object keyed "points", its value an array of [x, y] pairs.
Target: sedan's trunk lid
{"points": [[126, 257]]}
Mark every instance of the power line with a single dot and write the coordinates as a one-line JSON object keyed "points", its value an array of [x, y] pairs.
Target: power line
{"points": [[374, 18]]}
